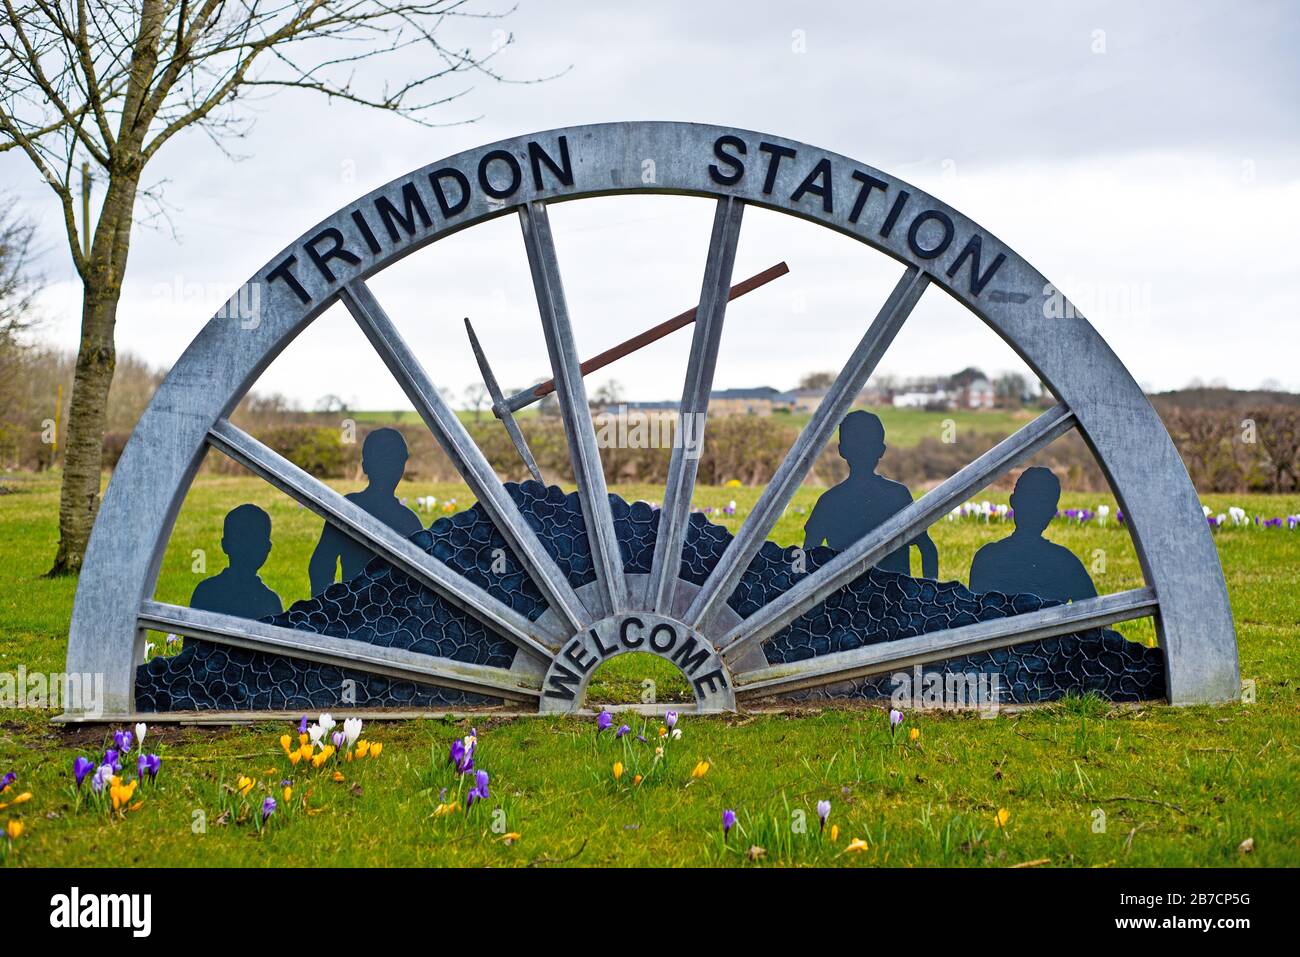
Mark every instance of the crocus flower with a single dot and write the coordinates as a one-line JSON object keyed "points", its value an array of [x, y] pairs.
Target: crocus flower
{"points": [[148, 764], [913, 734], [622, 730], [895, 717], [700, 770], [351, 730], [102, 777], [122, 741], [302, 725], [14, 829], [112, 758], [728, 822], [618, 770], [604, 721], [462, 754], [338, 738], [141, 729], [315, 733], [479, 791], [7, 780], [268, 808], [856, 846], [80, 768], [1000, 819], [670, 719], [823, 812]]}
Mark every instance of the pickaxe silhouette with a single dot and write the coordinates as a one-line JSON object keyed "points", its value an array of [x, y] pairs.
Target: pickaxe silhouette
{"points": [[504, 407]]}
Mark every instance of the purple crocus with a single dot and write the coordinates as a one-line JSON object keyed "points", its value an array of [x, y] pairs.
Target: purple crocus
{"points": [[147, 764], [670, 719], [462, 753], [479, 791], [338, 737], [102, 778], [728, 822], [622, 730], [604, 721], [268, 808], [122, 741], [823, 812], [112, 759], [895, 718], [7, 780], [80, 768], [302, 725]]}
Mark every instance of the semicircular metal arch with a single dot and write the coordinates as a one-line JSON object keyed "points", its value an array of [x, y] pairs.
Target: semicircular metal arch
{"points": [[935, 243]]}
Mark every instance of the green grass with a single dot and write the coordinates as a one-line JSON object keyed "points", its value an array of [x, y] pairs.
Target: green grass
{"points": [[1177, 786], [905, 427]]}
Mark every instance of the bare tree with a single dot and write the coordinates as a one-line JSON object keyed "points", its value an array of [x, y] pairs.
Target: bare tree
{"points": [[109, 83], [476, 396], [816, 380]]}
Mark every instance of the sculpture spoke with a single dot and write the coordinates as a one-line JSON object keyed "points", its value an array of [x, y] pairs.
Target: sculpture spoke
{"points": [[949, 643], [661, 589], [398, 663], [776, 496], [898, 530], [372, 533], [579, 430], [465, 455]]}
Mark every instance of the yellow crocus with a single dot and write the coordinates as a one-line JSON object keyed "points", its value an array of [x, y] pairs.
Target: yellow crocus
{"points": [[288, 794], [856, 846], [338, 776], [663, 732], [121, 793], [375, 748], [835, 833], [511, 837], [295, 757], [285, 741], [618, 770], [913, 734], [442, 809], [637, 779], [23, 798], [244, 785], [700, 770], [303, 739], [1000, 819], [14, 829], [363, 747]]}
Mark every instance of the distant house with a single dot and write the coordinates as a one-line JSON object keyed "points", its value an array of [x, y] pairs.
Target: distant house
{"points": [[763, 400], [922, 399], [979, 394], [805, 400]]}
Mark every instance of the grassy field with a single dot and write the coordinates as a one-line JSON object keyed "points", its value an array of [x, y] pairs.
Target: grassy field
{"points": [[905, 427], [1083, 784]]}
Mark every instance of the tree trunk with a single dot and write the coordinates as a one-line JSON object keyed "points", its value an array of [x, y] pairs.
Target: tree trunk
{"points": [[96, 359]]}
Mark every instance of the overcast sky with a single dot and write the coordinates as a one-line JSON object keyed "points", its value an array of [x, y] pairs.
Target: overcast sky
{"points": [[1146, 158]]}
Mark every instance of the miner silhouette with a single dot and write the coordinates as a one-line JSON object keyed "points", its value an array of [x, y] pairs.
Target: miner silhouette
{"points": [[383, 459], [1024, 561], [865, 499], [237, 589]]}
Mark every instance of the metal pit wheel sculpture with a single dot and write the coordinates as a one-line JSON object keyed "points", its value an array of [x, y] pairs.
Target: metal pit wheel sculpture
{"points": [[429, 623]]}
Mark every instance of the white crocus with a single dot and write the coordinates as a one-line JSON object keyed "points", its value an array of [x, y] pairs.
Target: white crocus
{"points": [[1102, 512], [327, 722], [140, 729], [1238, 515], [351, 731], [315, 732]]}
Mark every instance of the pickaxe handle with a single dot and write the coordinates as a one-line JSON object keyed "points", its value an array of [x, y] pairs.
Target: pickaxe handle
{"points": [[643, 339]]}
